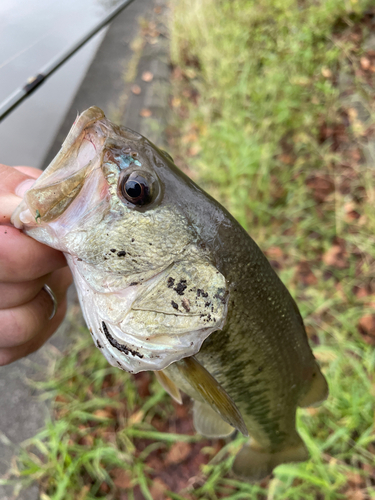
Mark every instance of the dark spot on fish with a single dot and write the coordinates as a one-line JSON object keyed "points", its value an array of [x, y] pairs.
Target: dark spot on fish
{"points": [[191, 343], [150, 243], [113, 250], [202, 293], [207, 304], [122, 253], [132, 240], [133, 283], [170, 282], [79, 259], [180, 287], [99, 345], [221, 295], [133, 260], [117, 345], [174, 305]]}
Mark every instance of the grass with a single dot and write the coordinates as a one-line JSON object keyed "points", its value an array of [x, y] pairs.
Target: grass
{"points": [[266, 118]]}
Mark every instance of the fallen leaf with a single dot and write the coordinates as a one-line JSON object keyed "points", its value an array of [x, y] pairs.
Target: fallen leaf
{"points": [[147, 76], [322, 186], [335, 257], [178, 453], [367, 324], [121, 478], [287, 159], [274, 253], [104, 413], [176, 101], [326, 72], [158, 489], [104, 488], [135, 418], [356, 494], [145, 113], [365, 63], [136, 89], [305, 275], [194, 150]]}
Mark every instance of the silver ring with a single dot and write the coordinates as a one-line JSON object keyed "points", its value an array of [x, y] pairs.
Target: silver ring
{"points": [[53, 298]]}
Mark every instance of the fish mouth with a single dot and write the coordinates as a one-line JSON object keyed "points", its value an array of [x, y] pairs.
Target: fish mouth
{"points": [[57, 187]]}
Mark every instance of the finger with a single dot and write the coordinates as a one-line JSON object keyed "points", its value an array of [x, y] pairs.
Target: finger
{"points": [[25, 259], [9, 202], [16, 294], [15, 181], [20, 324], [11, 177], [31, 171], [10, 354]]}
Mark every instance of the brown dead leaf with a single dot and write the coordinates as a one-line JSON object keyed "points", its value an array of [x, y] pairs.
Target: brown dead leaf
{"points": [[104, 488], [136, 89], [145, 113], [305, 275], [354, 478], [136, 418], [365, 63], [367, 324], [104, 413], [274, 253], [356, 494], [147, 76], [158, 489], [194, 150], [121, 478], [336, 256], [178, 453], [287, 159], [322, 186], [326, 72]]}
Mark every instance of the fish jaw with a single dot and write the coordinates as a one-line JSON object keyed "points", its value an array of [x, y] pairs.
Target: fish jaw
{"points": [[135, 338], [53, 193]]}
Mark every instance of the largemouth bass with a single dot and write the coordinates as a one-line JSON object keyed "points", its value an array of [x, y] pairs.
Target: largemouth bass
{"points": [[169, 281]]}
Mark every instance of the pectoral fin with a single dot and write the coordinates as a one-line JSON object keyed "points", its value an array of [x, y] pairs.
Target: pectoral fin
{"points": [[169, 386], [212, 392], [208, 423]]}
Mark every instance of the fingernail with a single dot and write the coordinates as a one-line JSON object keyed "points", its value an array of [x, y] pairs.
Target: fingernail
{"points": [[23, 187]]}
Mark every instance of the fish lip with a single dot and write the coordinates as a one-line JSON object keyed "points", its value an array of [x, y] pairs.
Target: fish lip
{"points": [[25, 215]]}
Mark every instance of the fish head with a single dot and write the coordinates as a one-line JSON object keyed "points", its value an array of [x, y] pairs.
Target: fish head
{"points": [[130, 225]]}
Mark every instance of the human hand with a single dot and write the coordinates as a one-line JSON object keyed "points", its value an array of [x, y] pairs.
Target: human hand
{"points": [[25, 267]]}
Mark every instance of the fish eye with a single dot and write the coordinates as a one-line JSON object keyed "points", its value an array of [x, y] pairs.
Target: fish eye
{"points": [[136, 188]]}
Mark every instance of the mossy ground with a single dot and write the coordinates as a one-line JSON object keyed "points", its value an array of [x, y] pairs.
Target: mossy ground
{"points": [[273, 114]]}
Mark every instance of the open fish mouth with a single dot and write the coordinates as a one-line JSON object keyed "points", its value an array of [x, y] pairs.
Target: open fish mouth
{"points": [[68, 174], [138, 327]]}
